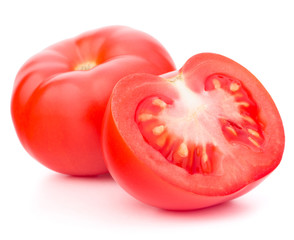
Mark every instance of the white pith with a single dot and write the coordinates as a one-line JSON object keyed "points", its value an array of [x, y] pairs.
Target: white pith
{"points": [[194, 117]]}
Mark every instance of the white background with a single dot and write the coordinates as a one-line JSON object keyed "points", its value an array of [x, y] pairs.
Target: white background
{"points": [[36, 203]]}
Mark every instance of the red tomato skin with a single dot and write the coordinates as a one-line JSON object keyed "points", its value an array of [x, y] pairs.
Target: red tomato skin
{"points": [[57, 112], [143, 183]]}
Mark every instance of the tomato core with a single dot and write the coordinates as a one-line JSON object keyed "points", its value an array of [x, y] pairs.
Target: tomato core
{"points": [[85, 66], [194, 130]]}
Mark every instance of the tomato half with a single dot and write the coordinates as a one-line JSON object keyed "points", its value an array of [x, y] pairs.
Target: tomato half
{"points": [[60, 94], [192, 138]]}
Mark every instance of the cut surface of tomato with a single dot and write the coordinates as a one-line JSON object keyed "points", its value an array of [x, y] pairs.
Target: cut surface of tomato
{"points": [[201, 135], [192, 131]]}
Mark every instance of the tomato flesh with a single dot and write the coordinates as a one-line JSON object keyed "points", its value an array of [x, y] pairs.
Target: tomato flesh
{"points": [[192, 138], [183, 130]]}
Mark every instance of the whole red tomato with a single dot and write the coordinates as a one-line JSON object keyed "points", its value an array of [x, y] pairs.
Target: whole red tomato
{"points": [[60, 94], [192, 138]]}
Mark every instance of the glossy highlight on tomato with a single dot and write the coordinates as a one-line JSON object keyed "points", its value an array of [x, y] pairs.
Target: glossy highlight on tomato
{"points": [[192, 138], [61, 93]]}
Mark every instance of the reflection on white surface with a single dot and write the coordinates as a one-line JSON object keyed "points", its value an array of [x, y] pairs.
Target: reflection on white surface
{"points": [[100, 198]]}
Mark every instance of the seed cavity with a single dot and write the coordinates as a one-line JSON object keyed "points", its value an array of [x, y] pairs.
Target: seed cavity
{"points": [[180, 136], [241, 125]]}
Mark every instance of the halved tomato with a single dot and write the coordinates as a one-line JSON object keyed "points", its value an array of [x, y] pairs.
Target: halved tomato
{"points": [[192, 138]]}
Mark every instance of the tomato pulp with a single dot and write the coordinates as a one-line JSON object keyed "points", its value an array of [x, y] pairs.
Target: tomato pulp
{"points": [[192, 138], [60, 94]]}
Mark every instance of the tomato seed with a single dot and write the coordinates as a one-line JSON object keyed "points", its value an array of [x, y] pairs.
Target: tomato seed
{"points": [[216, 83], [253, 141], [244, 104], [183, 150], [158, 130], [160, 141], [145, 117], [158, 102], [232, 130], [234, 87], [253, 132], [248, 119]]}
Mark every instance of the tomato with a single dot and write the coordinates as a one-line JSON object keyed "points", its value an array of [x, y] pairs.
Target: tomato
{"points": [[192, 138], [60, 94]]}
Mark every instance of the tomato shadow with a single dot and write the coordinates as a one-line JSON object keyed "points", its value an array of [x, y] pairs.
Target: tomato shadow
{"points": [[77, 197], [228, 210], [100, 199]]}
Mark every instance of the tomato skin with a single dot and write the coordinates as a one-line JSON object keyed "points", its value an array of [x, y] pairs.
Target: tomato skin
{"points": [[144, 173], [57, 111]]}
